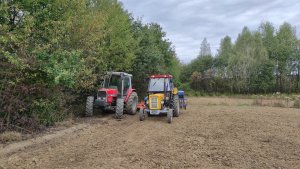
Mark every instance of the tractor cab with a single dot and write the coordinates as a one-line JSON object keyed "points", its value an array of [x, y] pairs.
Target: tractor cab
{"points": [[158, 84], [114, 80], [162, 97]]}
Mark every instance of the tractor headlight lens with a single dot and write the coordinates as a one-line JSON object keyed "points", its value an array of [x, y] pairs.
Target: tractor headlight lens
{"points": [[162, 102], [167, 98]]}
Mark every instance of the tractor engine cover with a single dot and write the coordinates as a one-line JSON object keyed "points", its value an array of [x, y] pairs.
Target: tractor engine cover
{"points": [[105, 97]]}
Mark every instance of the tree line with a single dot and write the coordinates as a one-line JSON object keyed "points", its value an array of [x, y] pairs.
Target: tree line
{"points": [[54, 52], [265, 60]]}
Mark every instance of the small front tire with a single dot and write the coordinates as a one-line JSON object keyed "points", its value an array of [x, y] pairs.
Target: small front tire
{"points": [[142, 115], [89, 106], [119, 109]]}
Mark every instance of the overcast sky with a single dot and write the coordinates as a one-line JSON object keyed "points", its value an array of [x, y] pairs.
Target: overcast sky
{"points": [[187, 22]]}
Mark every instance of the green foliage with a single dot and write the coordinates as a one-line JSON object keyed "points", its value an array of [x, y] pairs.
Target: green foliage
{"points": [[47, 111], [61, 67], [53, 52], [260, 61]]}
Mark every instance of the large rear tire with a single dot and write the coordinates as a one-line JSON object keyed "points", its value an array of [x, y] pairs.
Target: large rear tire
{"points": [[170, 116], [89, 106], [175, 106], [119, 109], [131, 106]]}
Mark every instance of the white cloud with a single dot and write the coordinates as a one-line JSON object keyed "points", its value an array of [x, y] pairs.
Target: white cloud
{"points": [[188, 22]]}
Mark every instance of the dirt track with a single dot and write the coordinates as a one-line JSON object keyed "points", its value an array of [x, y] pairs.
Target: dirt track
{"points": [[212, 133]]}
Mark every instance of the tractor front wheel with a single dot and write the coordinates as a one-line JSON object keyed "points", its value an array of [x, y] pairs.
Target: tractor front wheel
{"points": [[119, 108], [170, 116], [142, 114], [131, 106], [89, 106]]}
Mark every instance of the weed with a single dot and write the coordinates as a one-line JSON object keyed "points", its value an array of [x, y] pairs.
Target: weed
{"points": [[10, 136]]}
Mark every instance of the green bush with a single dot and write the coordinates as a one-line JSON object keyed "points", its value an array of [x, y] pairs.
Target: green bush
{"points": [[48, 110]]}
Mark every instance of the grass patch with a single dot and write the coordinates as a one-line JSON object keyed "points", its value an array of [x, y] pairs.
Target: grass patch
{"points": [[279, 104], [224, 104], [296, 104], [10, 136], [243, 104], [257, 102], [211, 104]]}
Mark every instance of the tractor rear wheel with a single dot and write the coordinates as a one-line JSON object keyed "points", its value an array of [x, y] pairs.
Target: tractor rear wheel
{"points": [[119, 108], [131, 106], [89, 106], [175, 106], [170, 116]]}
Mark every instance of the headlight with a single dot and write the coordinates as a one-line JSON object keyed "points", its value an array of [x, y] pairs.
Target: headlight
{"points": [[162, 102], [167, 98]]}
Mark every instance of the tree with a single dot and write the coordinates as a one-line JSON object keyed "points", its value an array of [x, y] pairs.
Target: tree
{"points": [[224, 53], [205, 48], [249, 53], [287, 45]]}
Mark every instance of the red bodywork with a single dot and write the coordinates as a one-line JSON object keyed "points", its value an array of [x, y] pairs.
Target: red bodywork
{"points": [[113, 93], [110, 93], [141, 105]]}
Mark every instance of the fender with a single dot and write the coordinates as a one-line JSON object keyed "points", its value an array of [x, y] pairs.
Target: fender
{"points": [[128, 94]]}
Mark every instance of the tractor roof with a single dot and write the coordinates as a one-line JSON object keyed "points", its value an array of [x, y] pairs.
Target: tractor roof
{"points": [[160, 76], [119, 73]]}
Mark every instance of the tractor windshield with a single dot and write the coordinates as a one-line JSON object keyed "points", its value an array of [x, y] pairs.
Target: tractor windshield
{"points": [[157, 84], [113, 82]]}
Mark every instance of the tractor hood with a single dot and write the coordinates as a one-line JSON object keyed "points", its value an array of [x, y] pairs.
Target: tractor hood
{"points": [[109, 92]]}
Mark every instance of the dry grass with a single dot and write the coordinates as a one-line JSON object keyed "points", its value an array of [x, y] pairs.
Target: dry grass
{"points": [[276, 102], [296, 104], [10, 136]]}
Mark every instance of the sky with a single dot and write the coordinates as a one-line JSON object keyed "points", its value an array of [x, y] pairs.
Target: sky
{"points": [[188, 22]]}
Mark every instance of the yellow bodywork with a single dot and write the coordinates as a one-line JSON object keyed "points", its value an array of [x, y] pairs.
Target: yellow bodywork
{"points": [[175, 91], [155, 101]]}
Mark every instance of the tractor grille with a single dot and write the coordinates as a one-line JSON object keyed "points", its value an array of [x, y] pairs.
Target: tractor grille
{"points": [[154, 103], [102, 95]]}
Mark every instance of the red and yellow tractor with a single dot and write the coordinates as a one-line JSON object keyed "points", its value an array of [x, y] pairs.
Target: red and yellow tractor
{"points": [[115, 94]]}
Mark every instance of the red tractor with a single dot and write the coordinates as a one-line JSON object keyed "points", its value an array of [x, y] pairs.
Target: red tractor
{"points": [[115, 94]]}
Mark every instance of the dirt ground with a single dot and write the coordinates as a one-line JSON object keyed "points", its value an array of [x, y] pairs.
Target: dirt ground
{"points": [[211, 133]]}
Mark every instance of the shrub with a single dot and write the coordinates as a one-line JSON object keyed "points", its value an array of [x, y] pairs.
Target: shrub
{"points": [[49, 110]]}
